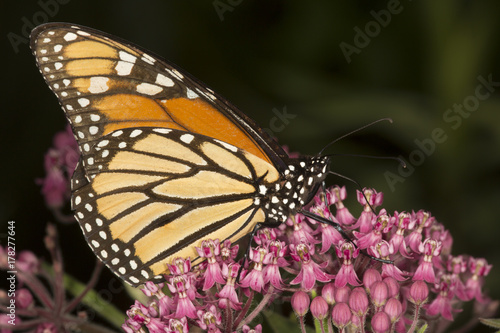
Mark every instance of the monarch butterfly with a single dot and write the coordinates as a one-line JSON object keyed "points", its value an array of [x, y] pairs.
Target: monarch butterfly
{"points": [[165, 161]]}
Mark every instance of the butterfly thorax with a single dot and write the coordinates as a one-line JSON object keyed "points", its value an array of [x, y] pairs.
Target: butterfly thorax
{"points": [[297, 187]]}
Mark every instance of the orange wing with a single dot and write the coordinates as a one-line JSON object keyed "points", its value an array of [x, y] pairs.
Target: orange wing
{"points": [[104, 84]]}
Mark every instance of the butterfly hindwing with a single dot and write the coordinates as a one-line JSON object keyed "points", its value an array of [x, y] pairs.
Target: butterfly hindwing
{"points": [[104, 84], [153, 194]]}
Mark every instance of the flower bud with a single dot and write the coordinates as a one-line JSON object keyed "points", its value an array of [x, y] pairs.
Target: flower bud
{"points": [[418, 292], [328, 293], [300, 303], [381, 323], [379, 293], [358, 301], [392, 286], [319, 308], [342, 294], [393, 308], [341, 315], [371, 275]]}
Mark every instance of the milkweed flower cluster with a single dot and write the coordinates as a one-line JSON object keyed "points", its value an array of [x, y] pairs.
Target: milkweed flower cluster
{"points": [[319, 270], [324, 272]]}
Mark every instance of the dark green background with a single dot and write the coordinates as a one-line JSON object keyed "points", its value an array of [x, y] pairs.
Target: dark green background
{"points": [[269, 55]]}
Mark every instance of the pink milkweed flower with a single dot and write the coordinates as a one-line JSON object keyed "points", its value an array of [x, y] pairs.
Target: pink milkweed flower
{"points": [[210, 320], [177, 326], [384, 250], [335, 196], [456, 266], [425, 271], [382, 225], [346, 252], [182, 267], [271, 271], [421, 220], [210, 249], [442, 305], [329, 235], [228, 296], [375, 199], [227, 252], [438, 232], [301, 230], [255, 278], [402, 222], [310, 272], [185, 307], [479, 268]]}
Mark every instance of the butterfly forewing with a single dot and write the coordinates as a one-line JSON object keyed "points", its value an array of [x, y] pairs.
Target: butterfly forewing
{"points": [[104, 84], [166, 162], [154, 194]]}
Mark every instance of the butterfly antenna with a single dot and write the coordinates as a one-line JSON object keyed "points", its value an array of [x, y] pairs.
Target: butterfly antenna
{"points": [[400, 160], [352, 132]]}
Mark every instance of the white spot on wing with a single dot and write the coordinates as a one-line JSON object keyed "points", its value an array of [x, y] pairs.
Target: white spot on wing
{"points": [[191, 94], [135, 133], [57, 48], [149, 59], [127, 57], [69, 36], [83, 102], [93, 130], [148, 89], [164, 81], [162, 130], [98, 84], [187, 138], [124, 68], [228, 146]]}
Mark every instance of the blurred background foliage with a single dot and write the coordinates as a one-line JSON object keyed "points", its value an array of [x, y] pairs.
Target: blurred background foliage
{"points": [[422, 60]]}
